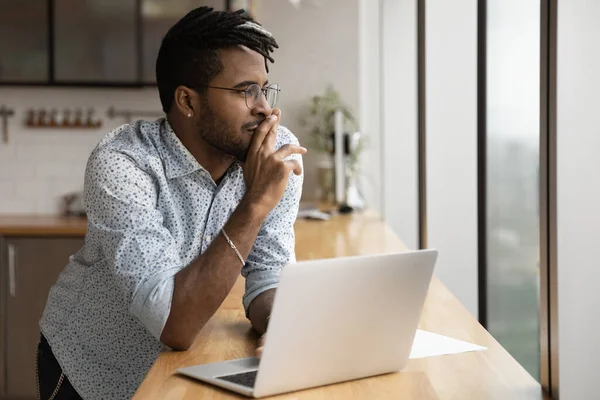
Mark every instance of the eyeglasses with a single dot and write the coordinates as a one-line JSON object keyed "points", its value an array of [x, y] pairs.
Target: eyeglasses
{"points": [[253, 93]]}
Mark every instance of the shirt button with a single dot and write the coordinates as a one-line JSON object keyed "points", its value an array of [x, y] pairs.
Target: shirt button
{"points": [[207, 238]]}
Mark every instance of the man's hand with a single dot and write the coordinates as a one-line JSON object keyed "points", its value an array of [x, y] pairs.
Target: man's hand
{"points": [[261, 345], [266, 171]]}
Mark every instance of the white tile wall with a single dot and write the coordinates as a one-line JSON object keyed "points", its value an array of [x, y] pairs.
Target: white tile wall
{"points": [[38, 166]]}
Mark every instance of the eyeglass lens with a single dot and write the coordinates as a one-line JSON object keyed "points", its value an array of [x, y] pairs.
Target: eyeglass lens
{"points": [[255, 91]]}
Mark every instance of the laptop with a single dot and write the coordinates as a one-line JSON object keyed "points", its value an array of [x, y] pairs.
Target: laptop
{"points": [[333, 320]]}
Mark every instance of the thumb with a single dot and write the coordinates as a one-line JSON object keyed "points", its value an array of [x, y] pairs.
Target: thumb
{"points": [[295, 166]]}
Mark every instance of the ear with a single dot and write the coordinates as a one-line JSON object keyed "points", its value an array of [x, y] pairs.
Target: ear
{"points": [[186, 101]]}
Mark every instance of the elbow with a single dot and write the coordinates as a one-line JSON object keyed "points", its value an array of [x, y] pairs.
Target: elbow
{"points": [[178, 345], [177, 342], [176, 338]]}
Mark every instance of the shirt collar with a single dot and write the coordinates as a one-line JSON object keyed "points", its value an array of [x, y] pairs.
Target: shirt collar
{"points": [[176, 157]]}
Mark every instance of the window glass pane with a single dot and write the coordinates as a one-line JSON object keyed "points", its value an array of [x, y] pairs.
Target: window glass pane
{"points": [[513, 158]]}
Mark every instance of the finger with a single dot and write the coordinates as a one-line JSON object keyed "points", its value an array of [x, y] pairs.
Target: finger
{"points": [[271, 137], [259, 351], [288, 149], [261, 133], [277, 112], [294, 166]]}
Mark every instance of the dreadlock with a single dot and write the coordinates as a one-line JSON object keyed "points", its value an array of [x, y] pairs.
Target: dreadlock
{"points": [[189, 52]]}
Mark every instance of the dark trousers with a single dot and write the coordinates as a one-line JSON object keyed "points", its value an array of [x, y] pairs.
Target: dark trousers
{"points": [[49, 372]]}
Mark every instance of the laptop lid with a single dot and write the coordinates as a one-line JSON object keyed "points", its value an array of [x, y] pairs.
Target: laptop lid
{"points": [[343, 318]]}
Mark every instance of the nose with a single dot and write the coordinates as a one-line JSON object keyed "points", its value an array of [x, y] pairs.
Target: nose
{"points": [[261, 106]]}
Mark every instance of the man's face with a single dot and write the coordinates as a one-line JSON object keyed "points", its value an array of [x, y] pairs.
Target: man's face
{"points": [[225, 121]]}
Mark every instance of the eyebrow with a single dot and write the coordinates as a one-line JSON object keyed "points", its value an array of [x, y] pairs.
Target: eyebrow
{"points": [[248, 83]]}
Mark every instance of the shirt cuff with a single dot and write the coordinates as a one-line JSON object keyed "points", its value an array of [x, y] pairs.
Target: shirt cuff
{"points": [[151, 303], [257, 283]]}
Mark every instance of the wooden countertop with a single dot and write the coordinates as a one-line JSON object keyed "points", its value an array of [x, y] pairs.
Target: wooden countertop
{"points": [[490, 374], [42, 225]]}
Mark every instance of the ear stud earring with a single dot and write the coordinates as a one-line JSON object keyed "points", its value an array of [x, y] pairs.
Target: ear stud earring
{"points": [[189, 115]]}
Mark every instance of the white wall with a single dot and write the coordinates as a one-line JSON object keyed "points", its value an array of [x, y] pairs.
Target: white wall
{"points": [[318, 45], [578, 196], [451, 121], [370, 78], [388, 109], [400, 119]]}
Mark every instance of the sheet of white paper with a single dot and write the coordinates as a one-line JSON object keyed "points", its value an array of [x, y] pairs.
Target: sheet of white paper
{"points": [[427, 344]]}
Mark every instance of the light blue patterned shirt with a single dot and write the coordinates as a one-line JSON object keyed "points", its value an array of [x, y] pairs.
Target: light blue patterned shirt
{"points": [[152, 209]]}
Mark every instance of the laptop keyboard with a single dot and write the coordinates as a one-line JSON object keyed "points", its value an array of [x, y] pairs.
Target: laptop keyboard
{"points": [[244, 378]]}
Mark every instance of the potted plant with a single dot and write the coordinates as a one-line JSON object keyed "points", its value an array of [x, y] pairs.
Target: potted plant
{"points": [[319, 118], [319, 115]]}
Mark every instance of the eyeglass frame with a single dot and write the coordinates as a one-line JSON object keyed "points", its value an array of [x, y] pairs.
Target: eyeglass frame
{"points": [[247, 90]]}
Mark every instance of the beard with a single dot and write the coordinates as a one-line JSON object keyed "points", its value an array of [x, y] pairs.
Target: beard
{"points": [[224, 137]]}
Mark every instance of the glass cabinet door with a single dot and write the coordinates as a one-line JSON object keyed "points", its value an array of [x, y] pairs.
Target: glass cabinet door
{"points": [[157, 17], [24, 52], [95, 41]]}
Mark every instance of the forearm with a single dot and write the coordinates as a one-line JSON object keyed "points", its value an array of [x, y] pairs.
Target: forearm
{"points": [[201, 287], [260, 309]]}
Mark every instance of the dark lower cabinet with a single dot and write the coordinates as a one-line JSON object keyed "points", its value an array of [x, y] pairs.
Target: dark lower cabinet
{"points": [[29, 267]]}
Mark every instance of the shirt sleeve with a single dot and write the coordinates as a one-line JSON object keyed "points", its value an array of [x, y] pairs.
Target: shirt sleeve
{"points": [[120, 200], [275, 244]]}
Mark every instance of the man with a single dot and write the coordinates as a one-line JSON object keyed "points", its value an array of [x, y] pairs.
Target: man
{"points": [[177, 208]]}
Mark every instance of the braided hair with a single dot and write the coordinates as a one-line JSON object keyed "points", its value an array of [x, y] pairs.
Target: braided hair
{"points": [[189, 52]]}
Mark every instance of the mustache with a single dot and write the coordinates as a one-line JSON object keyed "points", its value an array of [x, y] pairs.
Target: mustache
{"points": [[252, 125]]}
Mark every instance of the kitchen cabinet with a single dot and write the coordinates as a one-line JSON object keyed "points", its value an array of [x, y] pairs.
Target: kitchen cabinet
{"points": [[86, 42], [24, 53], [29, 267]]}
